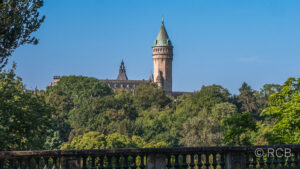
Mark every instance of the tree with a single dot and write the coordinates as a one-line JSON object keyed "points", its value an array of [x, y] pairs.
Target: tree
{"points": [[76, 101], [24, 117], [219, 113], [283, 114], [96, 140], [157, 126], [265, 93], [239, 128], [18, 20], [147, 95], [247, 99], [205, 128]]}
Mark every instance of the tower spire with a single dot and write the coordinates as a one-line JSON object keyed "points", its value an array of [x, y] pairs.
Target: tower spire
{"points": [[122, 72], [162, 38]]}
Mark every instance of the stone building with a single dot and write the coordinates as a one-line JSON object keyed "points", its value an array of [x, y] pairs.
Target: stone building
{"points": [[123, 82], [162, 52], [162, 59]]}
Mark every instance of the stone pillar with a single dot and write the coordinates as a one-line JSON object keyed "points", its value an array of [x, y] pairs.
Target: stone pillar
{"points": [[156, 161], [70, 162], [235, 160]]}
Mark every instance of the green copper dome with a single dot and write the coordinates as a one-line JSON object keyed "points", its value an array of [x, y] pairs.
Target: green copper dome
{"points": [[162, 37]]}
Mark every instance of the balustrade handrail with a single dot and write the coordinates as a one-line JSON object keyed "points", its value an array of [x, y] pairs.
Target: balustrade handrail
{"points": [[142, 151]]}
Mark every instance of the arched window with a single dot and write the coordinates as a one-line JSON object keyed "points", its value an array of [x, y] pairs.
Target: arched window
{"points": [[115, 85], [128, 86], [121, 85]]}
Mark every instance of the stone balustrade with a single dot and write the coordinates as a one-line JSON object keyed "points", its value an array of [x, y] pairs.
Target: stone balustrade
{"points": [[222, 157]]}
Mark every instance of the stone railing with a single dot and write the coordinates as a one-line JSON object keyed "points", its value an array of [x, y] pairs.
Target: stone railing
{"points": [[244, 157]]}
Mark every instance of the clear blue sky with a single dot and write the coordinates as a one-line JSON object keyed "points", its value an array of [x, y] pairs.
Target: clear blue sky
{"points": [[215, 41]]}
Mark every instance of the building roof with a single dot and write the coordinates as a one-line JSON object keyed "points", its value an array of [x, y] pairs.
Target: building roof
{"points": [[162, 37]]}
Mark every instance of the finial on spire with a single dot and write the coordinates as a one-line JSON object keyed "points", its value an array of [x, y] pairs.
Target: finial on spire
{"points": [[122, 66], [162, 21]]}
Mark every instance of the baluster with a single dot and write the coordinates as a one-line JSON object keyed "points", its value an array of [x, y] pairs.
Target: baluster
{"points": [[142, 166], [254, 163], [296, 159], [275, 161], [46, 162], [84, 162], [93, 162], [28, 165], [126, 160], [289, 161], [101, 159], [261, 162], [20, 163], [269, 161], [37, 163], [54, 166], [110, 162], [118, 162], [207, 164], [282, 160], [133, 165], [176, 165], [192, 164], [1, 164], [199, 162], [11, 164], [214, 164], [169, 162], [185, 164], [247, 160], [222, 162]]}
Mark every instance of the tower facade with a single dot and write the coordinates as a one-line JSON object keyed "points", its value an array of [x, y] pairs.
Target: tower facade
{"points": [[162, 60]]}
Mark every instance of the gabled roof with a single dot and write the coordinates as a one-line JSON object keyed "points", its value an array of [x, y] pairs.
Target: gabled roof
{"points": [[162, 37]]}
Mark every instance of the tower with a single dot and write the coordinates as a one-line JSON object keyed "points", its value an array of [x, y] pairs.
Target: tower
{"points": [[122, 72], [162, 59]]}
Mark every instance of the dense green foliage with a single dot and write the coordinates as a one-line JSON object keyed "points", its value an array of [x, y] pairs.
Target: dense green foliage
{"points": [[18, 19], [283, 114], [96, 140], [24, 117], [84, 113], [239, 128], [211, 116]]}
